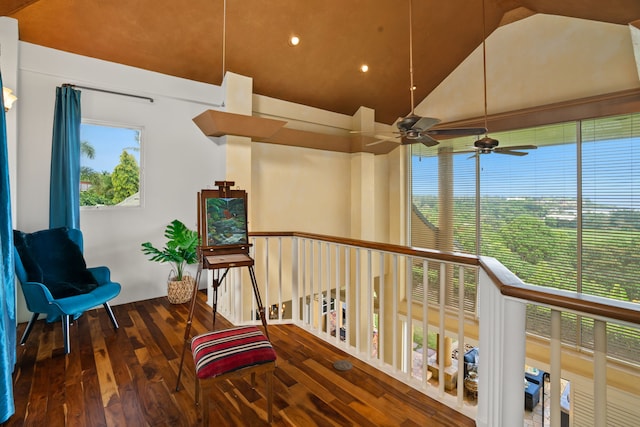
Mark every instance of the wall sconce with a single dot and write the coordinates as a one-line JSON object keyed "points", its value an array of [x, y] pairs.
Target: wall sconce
{"points": [[9, 98]]}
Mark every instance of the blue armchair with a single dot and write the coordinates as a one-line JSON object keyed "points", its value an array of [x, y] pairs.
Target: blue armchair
{"points": [[55, 280]]}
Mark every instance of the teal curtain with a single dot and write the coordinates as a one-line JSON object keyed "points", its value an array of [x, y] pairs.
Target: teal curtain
{"points": [[64, 190], [8, 289]]}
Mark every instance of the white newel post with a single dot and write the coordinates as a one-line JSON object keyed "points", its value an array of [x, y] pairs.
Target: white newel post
{"points": [[502, 357]]}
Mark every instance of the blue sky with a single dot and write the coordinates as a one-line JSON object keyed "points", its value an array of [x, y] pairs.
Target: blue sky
{"points": [[611, 173], [108, 143]]}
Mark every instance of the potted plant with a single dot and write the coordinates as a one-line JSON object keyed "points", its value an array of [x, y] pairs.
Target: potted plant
{"points": [[181, 249]]}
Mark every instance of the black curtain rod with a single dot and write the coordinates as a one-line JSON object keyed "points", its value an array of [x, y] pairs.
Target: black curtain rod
{"points": [[107, 91]]}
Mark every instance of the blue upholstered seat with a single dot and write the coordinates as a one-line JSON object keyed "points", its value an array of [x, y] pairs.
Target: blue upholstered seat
{"points": [[77, 288]]}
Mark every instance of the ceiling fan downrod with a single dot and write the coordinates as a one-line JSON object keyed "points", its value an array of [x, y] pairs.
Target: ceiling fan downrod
{"points": [[484, 69], [412, 87]]}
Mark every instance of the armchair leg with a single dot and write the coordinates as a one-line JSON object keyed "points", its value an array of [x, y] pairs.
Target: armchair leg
{"points": [[27, 331], [111, 316], [65, 333]]}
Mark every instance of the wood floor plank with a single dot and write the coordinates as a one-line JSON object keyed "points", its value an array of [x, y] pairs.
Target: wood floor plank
{"points": [[133, 389], [94, 410], [152, 323], [302, 410], [74, 406], [349, 414], [131, 408], [37, 406], [307, 378], [23, 379], [114, 414], [127, 377], [339, 382], [56, 400], [106, 377], [390, 404], [46, 342]]}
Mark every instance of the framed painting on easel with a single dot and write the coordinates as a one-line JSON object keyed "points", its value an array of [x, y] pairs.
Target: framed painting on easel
{"points": [[223, 217], [226, 221]]}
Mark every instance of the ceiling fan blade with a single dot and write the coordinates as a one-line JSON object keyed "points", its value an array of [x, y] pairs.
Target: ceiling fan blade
{"points": [[520, 147], [426, 140], [425, 123], [509, 152], [457, 131]]}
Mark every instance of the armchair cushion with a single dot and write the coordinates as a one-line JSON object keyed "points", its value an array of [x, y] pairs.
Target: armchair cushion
{"points": [[50, 257]]}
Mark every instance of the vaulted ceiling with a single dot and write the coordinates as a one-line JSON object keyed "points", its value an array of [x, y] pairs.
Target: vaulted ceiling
{"points": [[200, 39]]}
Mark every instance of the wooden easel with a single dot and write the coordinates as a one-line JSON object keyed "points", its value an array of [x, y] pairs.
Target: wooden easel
{"points": [[219, 258]]}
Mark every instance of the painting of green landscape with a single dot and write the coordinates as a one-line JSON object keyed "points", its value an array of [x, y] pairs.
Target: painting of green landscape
{"points": [[226, 221]]}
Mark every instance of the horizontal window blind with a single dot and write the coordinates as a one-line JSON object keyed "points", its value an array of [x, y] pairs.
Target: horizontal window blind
{"points": [[532, 208], [611, 220], [438, 175], [528, 205]]}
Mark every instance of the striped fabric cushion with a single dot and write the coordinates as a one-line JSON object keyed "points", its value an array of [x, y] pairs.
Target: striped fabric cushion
{"points": [[216, 353]]}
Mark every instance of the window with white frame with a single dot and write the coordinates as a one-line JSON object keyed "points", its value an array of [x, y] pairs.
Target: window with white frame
{"points": [[565, 215], [109, 165]]}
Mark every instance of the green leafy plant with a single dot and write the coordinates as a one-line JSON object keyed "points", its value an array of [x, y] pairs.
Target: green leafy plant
{"points": [[180, 250]]}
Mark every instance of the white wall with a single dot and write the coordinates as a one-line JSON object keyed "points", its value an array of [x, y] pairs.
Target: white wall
{"points": [[300, 189], [177, 159], [338, 194]]}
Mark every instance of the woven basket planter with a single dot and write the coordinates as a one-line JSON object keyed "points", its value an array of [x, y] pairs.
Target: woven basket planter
{"points": [[180, 291]]}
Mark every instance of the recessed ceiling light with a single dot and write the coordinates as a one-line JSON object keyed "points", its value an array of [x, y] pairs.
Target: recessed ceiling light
{"points": [[364, 68], [294, 41]]}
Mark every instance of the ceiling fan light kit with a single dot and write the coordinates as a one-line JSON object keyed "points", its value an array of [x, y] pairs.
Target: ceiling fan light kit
{"points": [[486, 145]]}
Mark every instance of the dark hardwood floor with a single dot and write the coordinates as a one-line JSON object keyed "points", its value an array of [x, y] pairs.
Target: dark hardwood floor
{"points": [[128, 378]]}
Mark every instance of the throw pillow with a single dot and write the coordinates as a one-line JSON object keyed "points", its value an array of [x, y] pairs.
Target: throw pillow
{"points": [[50, 257]]}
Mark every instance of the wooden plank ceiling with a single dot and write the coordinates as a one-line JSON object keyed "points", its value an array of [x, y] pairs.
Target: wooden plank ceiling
{"points": [[185, 39]]}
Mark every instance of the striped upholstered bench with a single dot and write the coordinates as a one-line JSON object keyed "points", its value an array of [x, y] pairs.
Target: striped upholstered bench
{"points": [[232, 353]]}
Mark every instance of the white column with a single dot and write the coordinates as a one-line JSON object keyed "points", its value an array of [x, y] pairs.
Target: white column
{"points": [[363, 192], [238, 98], [502, 357], [555, 366], [362, 196], [600, 372]]}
